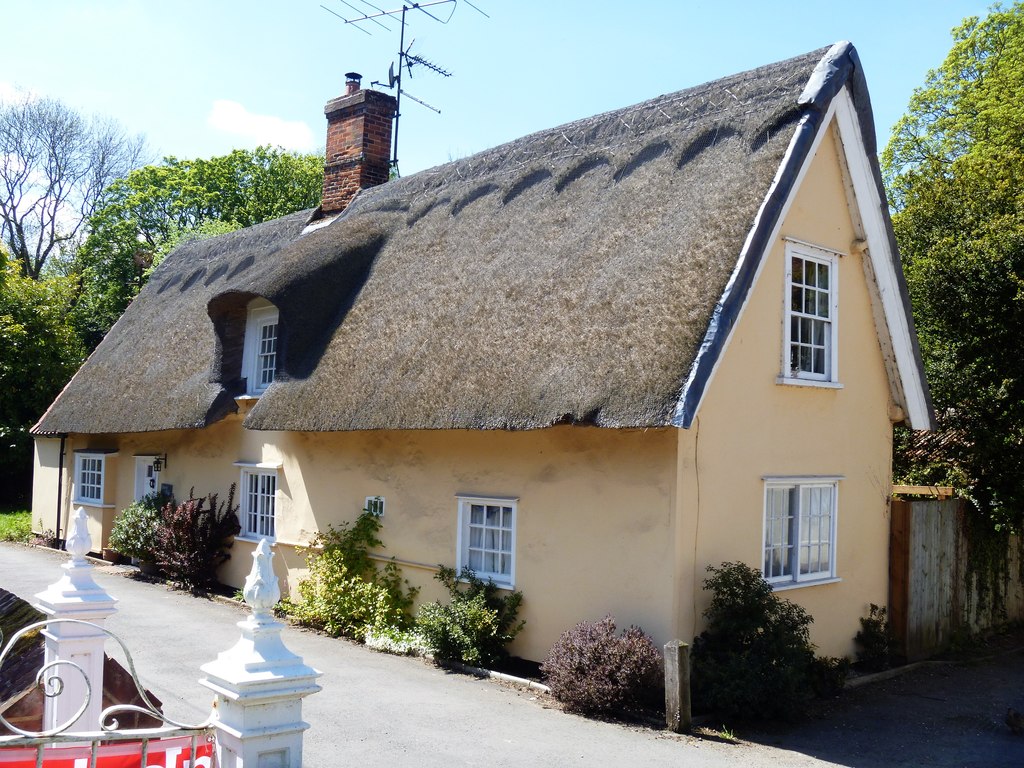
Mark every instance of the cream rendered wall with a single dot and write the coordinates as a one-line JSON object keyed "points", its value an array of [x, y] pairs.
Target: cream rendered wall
{"points": [[45, 463], [749, 427], [594, 511]]}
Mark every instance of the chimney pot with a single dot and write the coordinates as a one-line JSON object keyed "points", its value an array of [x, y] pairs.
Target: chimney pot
{"points": [[352, 82]]}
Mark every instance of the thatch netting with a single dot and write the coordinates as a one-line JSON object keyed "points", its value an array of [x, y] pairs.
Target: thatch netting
{"points": [[567, 276]]}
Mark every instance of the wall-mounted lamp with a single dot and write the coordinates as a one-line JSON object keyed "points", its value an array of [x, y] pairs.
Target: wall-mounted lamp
{"points": [[159, 463]]}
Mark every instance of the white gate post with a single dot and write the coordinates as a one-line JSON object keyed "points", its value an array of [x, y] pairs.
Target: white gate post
{"points": [[259, 683], [75, 596]]}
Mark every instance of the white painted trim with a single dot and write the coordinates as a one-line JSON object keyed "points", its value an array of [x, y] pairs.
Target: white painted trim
{"points": [[77, 498], [806, 479], [793, 381], [882, 260], [784, 586], [798, 483], [761, 257], [462, 546], [256, 469], [815, 253], [814, 247], [260, 312], [260, 464]]}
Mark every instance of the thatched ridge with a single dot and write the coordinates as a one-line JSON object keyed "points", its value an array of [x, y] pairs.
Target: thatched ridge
{"points": [[568, 276]]}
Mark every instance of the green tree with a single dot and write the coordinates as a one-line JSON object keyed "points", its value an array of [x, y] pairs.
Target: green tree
{"points": [[39, 351], [143, 215], [955, 170]]}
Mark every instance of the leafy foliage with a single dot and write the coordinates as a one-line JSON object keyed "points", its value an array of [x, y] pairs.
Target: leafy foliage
{"points": [[954, 167], [144, 215], [874, 640], [592, 670], [193, 539], [755, 659], [135, 531], [345, 592], [40, 352], [475, 625]]}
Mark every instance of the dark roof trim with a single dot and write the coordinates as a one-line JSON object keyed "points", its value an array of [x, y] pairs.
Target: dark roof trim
{"points": [[839, 67]]}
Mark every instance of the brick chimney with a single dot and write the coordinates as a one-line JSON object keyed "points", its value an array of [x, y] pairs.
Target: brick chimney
{"points": [[358, 143]]}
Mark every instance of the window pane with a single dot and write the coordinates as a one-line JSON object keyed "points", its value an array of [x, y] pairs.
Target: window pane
{"points": [[475, 560], [810, 272], [823, 270], [476, 537], [798, 270], [490, 562], [493, 515], [822, 304], [476, 516]]}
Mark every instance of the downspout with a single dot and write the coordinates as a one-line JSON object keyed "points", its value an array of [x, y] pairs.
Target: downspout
{"points": [[60, 489]]}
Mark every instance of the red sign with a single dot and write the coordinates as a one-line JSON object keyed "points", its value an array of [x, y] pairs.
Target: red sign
{"points": [[163, 753]]}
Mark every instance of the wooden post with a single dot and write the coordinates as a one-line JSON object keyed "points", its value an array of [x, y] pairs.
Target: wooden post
{"points": [[677, 686]]}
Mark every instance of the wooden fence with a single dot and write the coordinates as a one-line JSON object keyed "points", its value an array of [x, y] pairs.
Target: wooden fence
{"points": [[932, 599]]}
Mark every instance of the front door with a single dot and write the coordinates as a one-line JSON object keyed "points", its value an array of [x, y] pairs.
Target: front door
{"points": [[147, 479]]}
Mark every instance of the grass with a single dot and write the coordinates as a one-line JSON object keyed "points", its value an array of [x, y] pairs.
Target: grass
{"points": [[15, 524]]}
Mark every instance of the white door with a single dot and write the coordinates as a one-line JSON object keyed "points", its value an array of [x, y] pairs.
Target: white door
{"points": [[147, 480]]}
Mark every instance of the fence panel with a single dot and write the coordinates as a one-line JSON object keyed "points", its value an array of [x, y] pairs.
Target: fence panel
{"points": [[931, 598]]}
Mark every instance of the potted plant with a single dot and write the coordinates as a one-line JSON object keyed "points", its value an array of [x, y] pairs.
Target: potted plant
{"points": [[135, 531]]}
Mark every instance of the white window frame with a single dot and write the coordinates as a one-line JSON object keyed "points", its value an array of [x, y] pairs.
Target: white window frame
{"points": [[468, 545], [94, 462], [253, 521], [793, 374], [261, 314], [800, 532]]}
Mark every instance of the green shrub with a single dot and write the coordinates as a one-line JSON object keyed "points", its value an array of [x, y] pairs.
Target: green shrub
{"points": [[193, 539], [592, 670], [755, 659], [345, 592], [475, 625], [135, 530], [874, 640]]}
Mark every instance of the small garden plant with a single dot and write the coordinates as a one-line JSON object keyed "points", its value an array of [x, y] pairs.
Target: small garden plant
{"points": [[593, 670], [135, 530], [346, 593], [193, 539], [755, 659], [475, 625], [873, 640]]}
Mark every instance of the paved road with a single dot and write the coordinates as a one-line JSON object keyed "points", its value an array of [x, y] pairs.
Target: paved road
{"points": [[381, 710]]}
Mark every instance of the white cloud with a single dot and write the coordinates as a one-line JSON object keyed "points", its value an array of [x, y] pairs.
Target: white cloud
{"points": [[232, 118]]}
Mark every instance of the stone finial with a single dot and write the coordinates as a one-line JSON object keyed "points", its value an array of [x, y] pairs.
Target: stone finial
{"points": [[79, 543], [261, 590]]}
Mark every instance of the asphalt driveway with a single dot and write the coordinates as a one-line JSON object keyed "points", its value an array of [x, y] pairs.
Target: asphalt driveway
{"points": [[377, 709]]}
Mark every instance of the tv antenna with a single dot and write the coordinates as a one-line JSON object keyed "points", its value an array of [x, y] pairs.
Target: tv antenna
{"points": [[406, 59]]}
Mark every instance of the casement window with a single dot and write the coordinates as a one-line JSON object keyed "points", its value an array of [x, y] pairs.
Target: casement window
{"points": [[261, 346], [90, 472], [810, 353], [800, 529], [258, 502], [487, 538]]}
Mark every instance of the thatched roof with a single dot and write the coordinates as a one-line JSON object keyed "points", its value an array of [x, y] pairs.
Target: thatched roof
{"points": [[571, 275]]}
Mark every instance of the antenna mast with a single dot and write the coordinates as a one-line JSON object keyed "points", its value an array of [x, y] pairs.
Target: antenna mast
{"points": [[405, 58]]}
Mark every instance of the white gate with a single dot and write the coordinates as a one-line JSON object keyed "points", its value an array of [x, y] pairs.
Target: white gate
{"points": [[258, 672]]}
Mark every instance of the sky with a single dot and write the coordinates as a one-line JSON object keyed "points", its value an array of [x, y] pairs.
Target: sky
{"points": [[199, 78]]}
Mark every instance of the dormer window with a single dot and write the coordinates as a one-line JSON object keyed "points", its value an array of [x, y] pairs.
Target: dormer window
{"points": [[261, 345]]}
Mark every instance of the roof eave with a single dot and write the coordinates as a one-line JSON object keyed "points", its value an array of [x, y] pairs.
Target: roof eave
{"points": [[838, 72]]}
